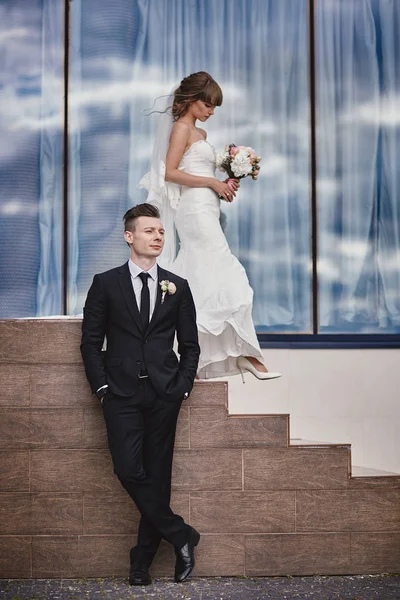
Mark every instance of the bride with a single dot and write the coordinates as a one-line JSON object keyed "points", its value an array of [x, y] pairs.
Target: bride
{"points": [[183, 183]]}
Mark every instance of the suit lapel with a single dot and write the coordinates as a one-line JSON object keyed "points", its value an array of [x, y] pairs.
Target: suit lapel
{"points": [[158, 306], [125, 282]]}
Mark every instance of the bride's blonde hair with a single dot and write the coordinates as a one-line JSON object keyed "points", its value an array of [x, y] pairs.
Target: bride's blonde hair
{"points": [[197, 86]]}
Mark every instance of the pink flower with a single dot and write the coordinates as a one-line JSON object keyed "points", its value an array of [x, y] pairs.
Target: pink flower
{"points": [[234, 150], [253, 154]]}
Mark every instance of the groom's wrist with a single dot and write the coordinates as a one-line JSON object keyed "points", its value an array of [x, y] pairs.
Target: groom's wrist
{"points": [[102, 391]]}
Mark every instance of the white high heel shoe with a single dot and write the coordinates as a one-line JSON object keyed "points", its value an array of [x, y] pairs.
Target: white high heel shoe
{"points": [[245, 365]]}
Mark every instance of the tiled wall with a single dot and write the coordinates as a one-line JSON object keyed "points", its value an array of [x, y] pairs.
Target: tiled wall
{"points": [[262, 507]]}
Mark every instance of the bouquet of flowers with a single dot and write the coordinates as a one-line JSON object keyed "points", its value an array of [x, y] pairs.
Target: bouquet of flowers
{"points": [[238, 162]]}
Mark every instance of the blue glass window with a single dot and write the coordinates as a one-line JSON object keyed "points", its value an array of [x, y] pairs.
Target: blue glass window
{"points": [[31, 100]]}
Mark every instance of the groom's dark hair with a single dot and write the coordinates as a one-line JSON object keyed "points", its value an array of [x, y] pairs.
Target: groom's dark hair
{"points": [[140, 210]]}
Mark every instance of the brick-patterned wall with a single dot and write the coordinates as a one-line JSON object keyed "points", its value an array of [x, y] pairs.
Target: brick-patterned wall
{"points": [[262, 506]]}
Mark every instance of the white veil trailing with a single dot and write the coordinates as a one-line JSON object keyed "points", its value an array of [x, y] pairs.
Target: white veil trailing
{"points": [[163, 194]]}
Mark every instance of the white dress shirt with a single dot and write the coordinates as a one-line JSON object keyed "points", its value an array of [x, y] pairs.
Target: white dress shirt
{"points": [[151, 282]]}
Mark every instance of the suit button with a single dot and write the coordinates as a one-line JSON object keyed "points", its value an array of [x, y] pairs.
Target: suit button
{"points": [[138, 362], [145, 341]]}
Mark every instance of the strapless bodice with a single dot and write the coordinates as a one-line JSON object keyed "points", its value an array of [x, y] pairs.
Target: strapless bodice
{"points": [[199, 159]]}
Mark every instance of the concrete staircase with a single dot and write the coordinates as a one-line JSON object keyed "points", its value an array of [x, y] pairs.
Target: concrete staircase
{"points": [[264, 506]]}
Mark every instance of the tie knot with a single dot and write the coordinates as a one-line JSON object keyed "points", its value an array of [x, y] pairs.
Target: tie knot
{"points": [[144, 277]]}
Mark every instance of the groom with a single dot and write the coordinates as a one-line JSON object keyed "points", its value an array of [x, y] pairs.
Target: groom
{"points": [[141, 383]]}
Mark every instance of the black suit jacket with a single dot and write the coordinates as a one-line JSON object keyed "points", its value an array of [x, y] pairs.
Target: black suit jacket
{"points": [[111, 310]]}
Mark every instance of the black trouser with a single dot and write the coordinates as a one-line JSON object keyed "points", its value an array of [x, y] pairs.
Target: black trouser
{"points": [[141, 435]]}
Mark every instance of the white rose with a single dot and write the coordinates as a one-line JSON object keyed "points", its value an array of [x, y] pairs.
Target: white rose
{"points": [[220, 159], [171, 288], [241, 164]]}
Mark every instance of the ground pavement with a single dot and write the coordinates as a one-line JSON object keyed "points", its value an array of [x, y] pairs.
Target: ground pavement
{"points": [[360, 587]]}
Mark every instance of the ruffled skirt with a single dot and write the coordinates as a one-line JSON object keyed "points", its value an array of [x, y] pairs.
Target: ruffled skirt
{"points": [[219, 284]]}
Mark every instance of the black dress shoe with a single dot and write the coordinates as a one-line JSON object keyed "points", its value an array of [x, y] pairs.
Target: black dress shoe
{"points": [[185, 557], [139, 574]]}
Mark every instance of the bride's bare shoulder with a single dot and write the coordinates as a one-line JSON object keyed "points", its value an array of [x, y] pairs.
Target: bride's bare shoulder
{"points": [[180, 133], [180, 126]]}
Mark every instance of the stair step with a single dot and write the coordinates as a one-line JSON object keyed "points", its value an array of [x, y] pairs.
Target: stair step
{"points": [[300, 442], [356, 471], [208, 393], [369, 472], [213, 427]]}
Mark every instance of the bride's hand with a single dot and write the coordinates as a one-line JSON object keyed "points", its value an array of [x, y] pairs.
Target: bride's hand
{"points": [[233, 183], [223, 190]]}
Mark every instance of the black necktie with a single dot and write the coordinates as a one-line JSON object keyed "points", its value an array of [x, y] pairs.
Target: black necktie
{"points": [[145, 299]]}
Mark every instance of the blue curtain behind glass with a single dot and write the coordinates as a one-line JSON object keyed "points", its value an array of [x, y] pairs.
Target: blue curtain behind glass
{"points": [[358, 94], [124, 56], [31, 56]]}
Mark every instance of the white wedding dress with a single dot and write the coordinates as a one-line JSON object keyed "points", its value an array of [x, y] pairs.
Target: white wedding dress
{"points": [[219, 284]]}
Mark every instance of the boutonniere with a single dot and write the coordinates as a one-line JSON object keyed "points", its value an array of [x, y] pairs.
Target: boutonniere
{"points": [[167, 287]]}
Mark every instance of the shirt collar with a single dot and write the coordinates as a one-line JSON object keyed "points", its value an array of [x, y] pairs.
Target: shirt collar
{"points": [[135, 270]]}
